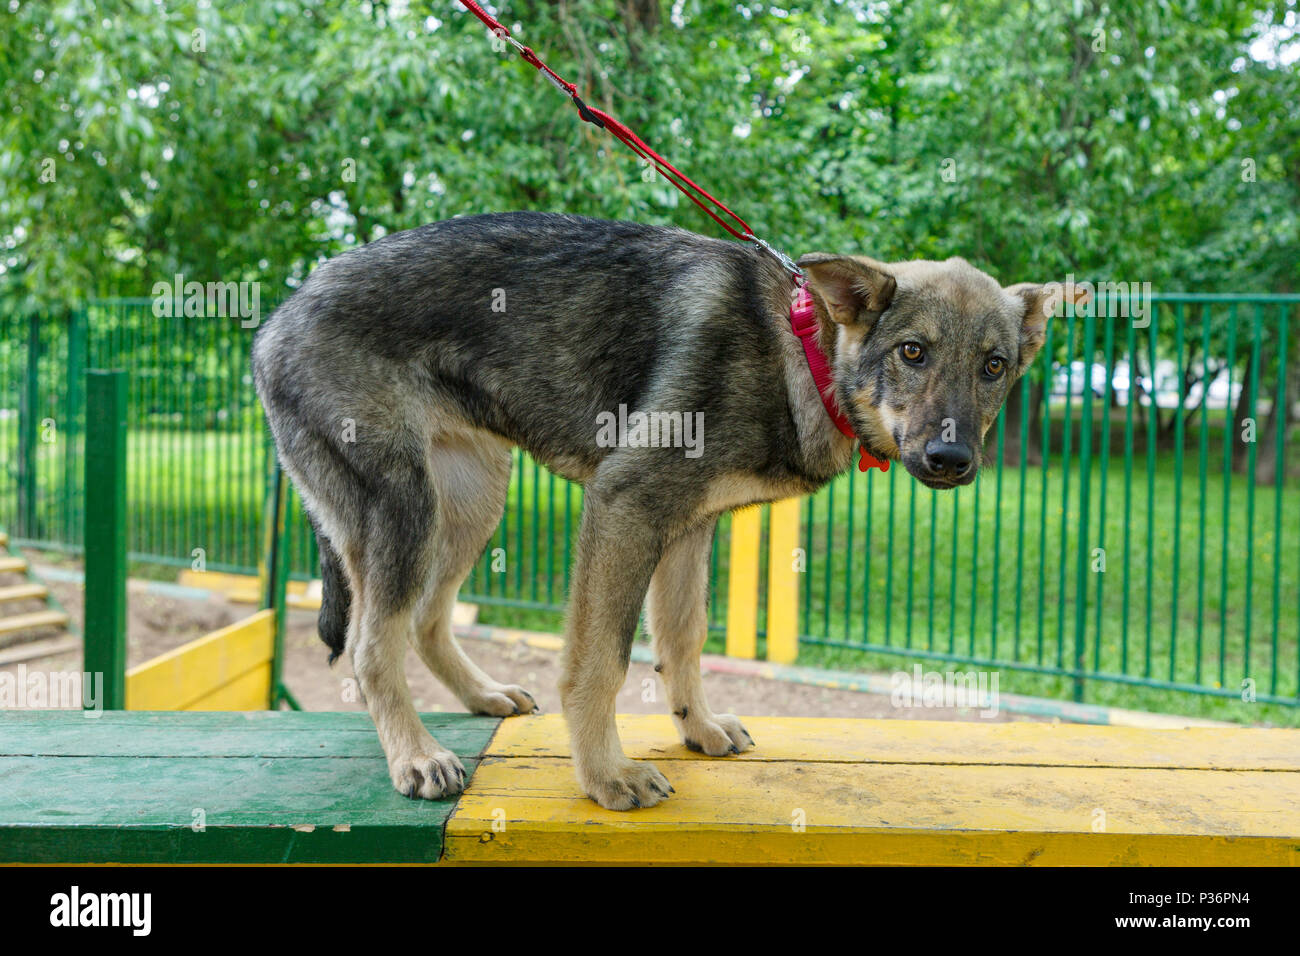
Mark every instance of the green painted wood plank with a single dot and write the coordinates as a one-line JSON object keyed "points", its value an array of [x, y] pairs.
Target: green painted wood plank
{"points": [[383, 844], [261, 810], [280, 719], [275, 787], [218, 734]]}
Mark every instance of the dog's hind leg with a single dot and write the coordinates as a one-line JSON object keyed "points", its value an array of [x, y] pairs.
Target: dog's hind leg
{"points": [[678, 617], [360, 465], [470, 475], [618, 548], [387, 559]]}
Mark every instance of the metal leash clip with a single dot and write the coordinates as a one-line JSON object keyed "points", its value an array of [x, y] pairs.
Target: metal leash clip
{"points": [[511, 40], [780, 256]]}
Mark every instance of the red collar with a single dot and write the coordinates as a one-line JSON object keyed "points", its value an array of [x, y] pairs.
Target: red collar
{"points": [[803, 322]]}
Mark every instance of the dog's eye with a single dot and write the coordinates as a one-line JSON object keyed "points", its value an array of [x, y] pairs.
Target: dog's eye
{"points": [[911, 352], [994, 367]]}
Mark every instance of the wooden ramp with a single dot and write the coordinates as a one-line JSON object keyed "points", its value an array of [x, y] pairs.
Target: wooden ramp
{"points": [[229, 669], [279, 787]]}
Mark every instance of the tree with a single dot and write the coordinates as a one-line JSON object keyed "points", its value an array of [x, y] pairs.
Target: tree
{"points": [[251, 140]]}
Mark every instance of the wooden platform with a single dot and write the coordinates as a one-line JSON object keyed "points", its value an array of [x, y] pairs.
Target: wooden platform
{"points": [[279, 787], [265, 786]]}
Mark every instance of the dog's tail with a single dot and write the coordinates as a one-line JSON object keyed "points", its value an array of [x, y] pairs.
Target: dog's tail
{"points": [[336, 598]]}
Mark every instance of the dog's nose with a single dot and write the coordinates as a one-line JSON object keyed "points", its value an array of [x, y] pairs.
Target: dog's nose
{"points": [[950, 459]]}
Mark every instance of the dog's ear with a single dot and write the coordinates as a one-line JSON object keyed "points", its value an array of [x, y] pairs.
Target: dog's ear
{"points": [[1040, 303], [854, 289]]}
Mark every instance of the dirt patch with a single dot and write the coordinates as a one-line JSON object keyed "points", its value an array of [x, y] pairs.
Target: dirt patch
{"points": [[321, 687]]}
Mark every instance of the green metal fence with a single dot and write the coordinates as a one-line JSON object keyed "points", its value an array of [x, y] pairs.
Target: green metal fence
{"points": [[1140, 528], [1133, 553]]}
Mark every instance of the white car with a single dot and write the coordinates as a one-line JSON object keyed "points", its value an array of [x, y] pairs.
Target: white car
{"points": [[1068, 380]]}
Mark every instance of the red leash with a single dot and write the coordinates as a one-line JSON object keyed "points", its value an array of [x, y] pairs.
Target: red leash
{"points": [[707, 202], [802, 317]]}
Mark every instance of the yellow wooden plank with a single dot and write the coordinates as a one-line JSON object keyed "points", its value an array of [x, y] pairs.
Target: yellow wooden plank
{"points": [[12, 565], [733, 811], [226, 582], [174, 680], [248, 691], [742, 584], [46, 647], [783, 582], [24, 592], [299, 602], [823, 740], [36, 619]]}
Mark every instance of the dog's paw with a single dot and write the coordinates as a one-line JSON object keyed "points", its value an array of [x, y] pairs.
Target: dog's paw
{"points": [[431, 774], [633, 784], [501, 700], [718, 735]]}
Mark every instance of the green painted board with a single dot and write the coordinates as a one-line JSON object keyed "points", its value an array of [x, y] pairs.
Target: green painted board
{"points": [[253, 733], [267, 787]]}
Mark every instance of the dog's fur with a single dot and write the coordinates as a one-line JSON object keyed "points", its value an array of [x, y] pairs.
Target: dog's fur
{"points": [[397, 379]]}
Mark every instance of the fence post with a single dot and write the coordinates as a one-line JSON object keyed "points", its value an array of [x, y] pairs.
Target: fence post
{"points": [[274, 570], [75, 402], [782, 582], [105, 616], [742, 584], [28, 417], [1085, 486]]}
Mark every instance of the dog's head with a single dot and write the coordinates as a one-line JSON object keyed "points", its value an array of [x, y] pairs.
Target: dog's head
{"points": [[926, 352]]}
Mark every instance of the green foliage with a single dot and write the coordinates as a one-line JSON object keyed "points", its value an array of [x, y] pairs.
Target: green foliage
{"points": [[1036, 139]]}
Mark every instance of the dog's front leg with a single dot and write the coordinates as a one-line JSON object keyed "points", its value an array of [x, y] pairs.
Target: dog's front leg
{"points": [[618, 547], [678, 613]]}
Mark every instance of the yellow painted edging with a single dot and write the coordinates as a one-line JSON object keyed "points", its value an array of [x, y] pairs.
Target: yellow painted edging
{"points": [[247, 588], [299, 595], [226, 582], [742, 584], [197, 671], [249, 691], [1034, 794], [783, 582]]}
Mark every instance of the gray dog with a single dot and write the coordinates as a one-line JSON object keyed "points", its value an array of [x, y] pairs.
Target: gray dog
{"points": [[398, 378]]}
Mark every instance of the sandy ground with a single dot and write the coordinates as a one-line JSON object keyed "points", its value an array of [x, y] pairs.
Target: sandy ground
{"points": [[320, 687], [159, 623]]}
